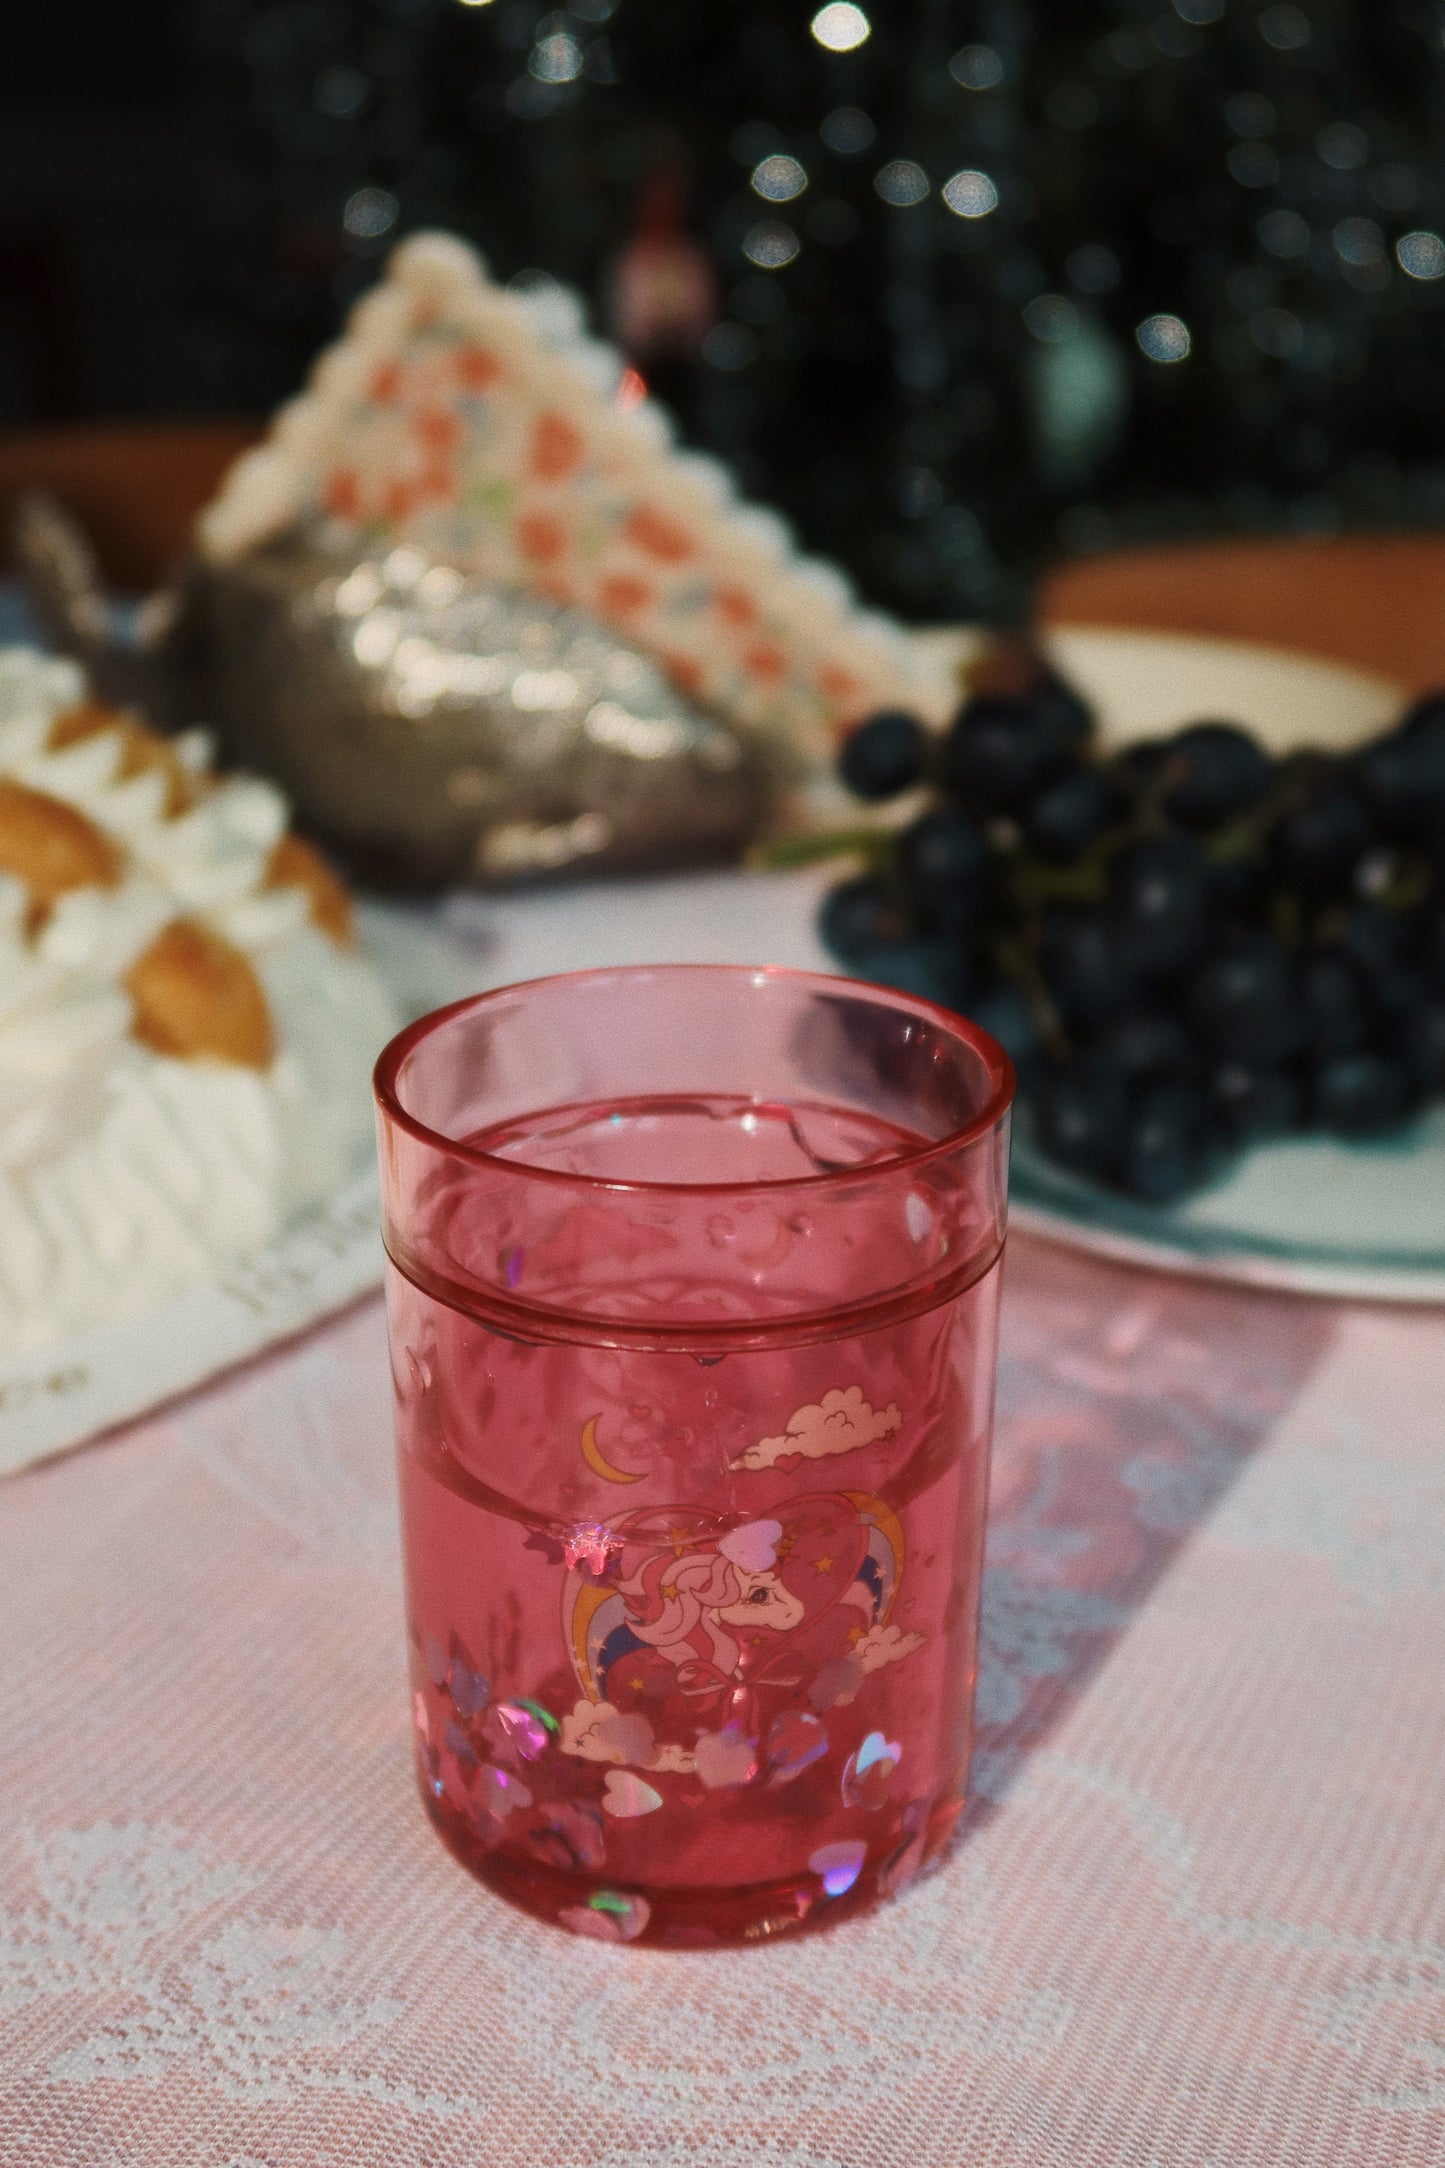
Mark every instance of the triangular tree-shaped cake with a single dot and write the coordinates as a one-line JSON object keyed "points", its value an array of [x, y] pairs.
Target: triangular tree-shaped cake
{"points": [[483, 425]]}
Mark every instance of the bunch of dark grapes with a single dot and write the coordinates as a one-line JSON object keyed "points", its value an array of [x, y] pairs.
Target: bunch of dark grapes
{"points": [[1187, 946]]}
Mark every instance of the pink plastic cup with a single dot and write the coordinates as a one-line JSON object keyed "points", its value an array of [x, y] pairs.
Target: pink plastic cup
{"points": [[693, 1296]]}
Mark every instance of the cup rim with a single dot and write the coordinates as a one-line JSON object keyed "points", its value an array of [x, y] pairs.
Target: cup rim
{"points": [[998, 1068]]}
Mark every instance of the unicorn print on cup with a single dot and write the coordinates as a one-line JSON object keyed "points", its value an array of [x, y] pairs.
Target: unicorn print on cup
{"points": [[704, 1633]]}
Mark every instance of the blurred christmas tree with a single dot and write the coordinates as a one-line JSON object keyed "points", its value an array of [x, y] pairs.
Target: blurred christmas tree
{"points": [[956, 283]]}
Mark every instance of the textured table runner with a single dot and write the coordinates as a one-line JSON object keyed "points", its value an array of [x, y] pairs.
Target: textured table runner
{"points": [[1197, 1914]]}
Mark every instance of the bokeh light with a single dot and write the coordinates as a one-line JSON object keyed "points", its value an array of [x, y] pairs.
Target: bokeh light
{"points": [[901, 183], [976, 67], [1286, 28], [556, 58], [1421, 255], [840, 26], [369, 213], [1051, 318], [970, 194], [848, 130], [779, 178], [1284, 234], [1164, 338], [770, 245]]}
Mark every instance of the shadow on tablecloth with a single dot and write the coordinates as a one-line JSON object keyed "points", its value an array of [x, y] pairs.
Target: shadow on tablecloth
{"points": [[1128, 1402]]}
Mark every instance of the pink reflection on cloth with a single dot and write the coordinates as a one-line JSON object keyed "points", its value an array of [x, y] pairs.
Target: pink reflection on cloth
{"points": [[1197, 1913]]}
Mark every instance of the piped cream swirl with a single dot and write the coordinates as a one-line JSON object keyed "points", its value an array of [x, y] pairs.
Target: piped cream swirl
{"points": [[184, 1052]]}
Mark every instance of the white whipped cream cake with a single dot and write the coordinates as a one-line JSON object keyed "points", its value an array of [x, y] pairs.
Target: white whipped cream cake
{"points": [[186, 1031]]}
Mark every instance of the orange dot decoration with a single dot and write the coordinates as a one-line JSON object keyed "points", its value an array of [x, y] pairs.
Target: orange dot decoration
{"points": [[541, 539], [685, 672], [467, 421], [766, 661], [439, 429], [657, 536], [736, 607], [341, 494], [556, 448], [620, 594], [477, 368]]}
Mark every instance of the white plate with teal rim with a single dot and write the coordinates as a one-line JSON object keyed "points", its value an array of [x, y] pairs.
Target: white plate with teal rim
{"points": [[1310, 1213]]}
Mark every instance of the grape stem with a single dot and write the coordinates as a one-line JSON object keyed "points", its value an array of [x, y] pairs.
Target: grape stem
{"points": [[815, 847]]}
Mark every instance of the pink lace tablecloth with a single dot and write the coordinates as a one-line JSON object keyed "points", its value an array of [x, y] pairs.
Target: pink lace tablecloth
{"points": [[1197, 1914]]}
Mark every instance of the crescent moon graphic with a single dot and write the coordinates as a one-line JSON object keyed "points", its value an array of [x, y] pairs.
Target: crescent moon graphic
{"points": [[891, 1529], [596, 1460]]}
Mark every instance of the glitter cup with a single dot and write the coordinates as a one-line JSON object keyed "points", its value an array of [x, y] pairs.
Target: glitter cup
{"points": [[693, 1296]]}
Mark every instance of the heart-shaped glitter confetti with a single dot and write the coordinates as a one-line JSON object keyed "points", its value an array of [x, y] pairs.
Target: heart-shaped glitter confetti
{"points": [[570, 1837], [754, 1546], [726, 1757], [839, 1864], [836, 1682], [501, 1791], [625, 1796], [455, 1740], [868, 1773], [469, 1690], [511, 1730], [795, 1741], [609, 1916]]}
